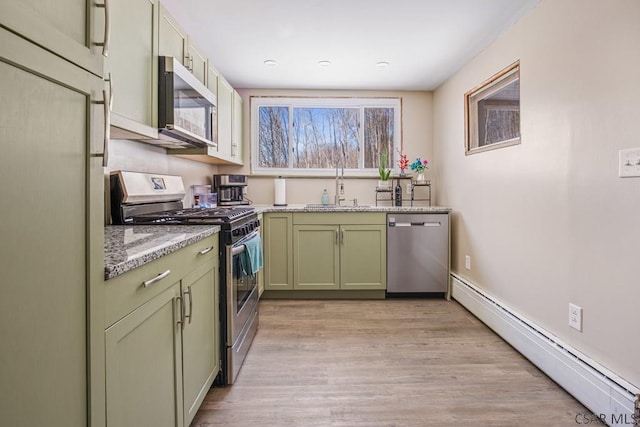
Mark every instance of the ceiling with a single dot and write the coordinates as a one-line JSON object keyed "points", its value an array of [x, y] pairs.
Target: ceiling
{"points": [[423, 41]]}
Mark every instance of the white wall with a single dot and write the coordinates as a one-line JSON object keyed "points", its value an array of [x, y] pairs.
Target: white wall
{"points": [[549, 222], [140, 157], [417, 133]]}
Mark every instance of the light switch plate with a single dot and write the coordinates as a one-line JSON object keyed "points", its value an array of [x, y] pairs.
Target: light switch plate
{"points": [[629, 163]]}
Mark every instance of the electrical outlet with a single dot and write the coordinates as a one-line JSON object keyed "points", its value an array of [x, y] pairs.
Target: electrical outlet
{"points": [[467, 262], [629, 164], [575, 317]]}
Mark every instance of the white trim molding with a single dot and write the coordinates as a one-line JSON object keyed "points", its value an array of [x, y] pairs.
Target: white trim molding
{"points": [[611, 398]]}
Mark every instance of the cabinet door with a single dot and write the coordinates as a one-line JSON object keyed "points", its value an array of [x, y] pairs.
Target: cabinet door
{"points": [[363, 257], [133, 63], [143, 365], [212, 79], [236, 135], [278, 252], [51, 252], [70, 28], [261, 271], [172, 39], [198, 63], [225, 117], [316, 257], [200, 337]]}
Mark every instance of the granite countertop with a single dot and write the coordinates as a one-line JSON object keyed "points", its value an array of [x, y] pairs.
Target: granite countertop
{"points": [[127, 247], [361, 208]]}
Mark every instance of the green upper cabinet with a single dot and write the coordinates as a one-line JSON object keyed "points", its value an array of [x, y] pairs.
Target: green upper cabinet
{"points": [[132, 67], [212, 79], [316, 257], [237, 127], [173, 40], [198, 63], [278, 251], [73, 29], [51, 362], [225, 117], [363, 257]]}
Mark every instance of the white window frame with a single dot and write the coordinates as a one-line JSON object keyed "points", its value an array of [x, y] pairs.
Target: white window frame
{"points": [[292, 102]]}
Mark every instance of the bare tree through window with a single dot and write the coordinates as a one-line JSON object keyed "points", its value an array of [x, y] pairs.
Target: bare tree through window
{"points": [[325, 137]]}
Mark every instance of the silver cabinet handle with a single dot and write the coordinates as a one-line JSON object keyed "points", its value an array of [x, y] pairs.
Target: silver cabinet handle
{"points": [[107, 28], [342, 237], [191, 63], [205, 251], [156, 279], [106, 102], [180, 320], [337, 237], [190, 315]]}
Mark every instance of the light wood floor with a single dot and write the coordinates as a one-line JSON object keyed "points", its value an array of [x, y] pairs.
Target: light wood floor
{"points": [[383, 363]]}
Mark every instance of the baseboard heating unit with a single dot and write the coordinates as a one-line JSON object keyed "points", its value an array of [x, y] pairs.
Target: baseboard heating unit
{"points": [[608, 396]]}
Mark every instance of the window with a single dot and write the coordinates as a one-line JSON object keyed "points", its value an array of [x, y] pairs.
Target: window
{"points": [[313, 136], [492, 112]]}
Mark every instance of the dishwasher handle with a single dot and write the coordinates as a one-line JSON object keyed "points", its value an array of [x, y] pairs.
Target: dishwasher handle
{"points": [[415, 224]]}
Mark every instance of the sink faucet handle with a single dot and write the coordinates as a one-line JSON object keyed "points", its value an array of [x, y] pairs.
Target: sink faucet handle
{"points": [[355, 201]]}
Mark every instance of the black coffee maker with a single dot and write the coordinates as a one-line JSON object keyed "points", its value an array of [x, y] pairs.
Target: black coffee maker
{"points": [[230, 189]]}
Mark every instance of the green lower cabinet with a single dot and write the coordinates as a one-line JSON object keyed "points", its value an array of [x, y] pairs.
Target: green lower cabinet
{"points": [[278, 252], [200, 343], [144, 364], [163, 356], [363, 257], [340, 257], [316, 257]]}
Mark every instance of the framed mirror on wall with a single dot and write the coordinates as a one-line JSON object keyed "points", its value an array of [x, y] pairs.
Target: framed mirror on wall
{"points": [[492, 112]]}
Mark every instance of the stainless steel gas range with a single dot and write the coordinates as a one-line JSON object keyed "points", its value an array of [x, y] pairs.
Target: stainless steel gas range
{"points": [[140, 198]]}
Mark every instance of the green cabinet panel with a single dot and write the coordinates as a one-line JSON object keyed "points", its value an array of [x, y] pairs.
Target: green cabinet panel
{"points": [[51, 264], [236, 133], [73, 29], [133, 65], [316, 257], [278, 251], [143, 365], [363, 259], [198, 63], [225, 117], [172, 39], [177, 319], [339, 251], [200, 343]]}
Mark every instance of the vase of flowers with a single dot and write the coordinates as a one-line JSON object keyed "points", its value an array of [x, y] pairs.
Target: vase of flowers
{"points": [[419, 166], [403, 163]]}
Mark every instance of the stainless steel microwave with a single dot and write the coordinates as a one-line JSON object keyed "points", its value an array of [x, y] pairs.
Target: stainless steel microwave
{"points": [[187, 114]]}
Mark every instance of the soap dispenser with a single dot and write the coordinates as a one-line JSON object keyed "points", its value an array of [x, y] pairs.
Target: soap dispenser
{"points": [[325, 197]]}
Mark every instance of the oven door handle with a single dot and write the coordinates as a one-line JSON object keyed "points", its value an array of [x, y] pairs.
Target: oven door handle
{"points": [[239, 246], [238, 249]]}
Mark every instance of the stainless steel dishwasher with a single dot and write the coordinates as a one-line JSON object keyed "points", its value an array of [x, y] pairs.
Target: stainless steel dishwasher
{"points": [[417, 254]]}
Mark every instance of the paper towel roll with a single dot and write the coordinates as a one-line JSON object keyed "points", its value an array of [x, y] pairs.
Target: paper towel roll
{"points": [[281, 191]]}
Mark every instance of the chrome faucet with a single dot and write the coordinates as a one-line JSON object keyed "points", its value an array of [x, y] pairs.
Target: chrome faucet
{"points": [[339, 187]]}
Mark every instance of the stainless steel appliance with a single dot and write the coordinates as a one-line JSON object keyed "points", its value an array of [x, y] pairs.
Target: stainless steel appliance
{"points": [[187, 114], [138, 198], [230, 189], [417, 253]]}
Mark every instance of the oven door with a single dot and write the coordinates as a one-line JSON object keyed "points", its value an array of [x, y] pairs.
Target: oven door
{"points": [[242, 290]]}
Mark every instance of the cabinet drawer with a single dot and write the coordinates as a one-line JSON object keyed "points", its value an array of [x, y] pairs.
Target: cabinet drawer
{"points": [[330, 218], [125, 293]]}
